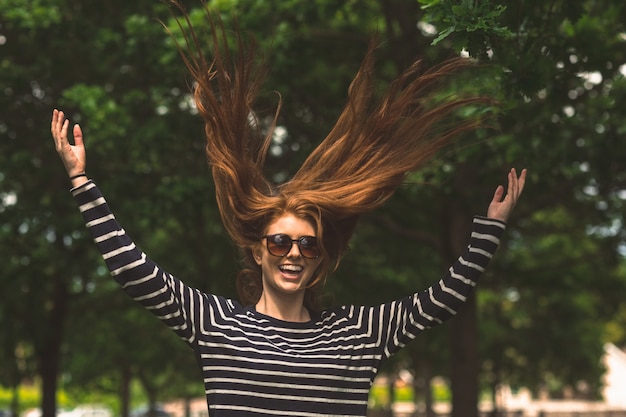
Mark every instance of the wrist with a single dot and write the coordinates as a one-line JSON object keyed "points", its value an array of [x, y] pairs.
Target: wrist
{"points": [[73, 177], [78, 179]]}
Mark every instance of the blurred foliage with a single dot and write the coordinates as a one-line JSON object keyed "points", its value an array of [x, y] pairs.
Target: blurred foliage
{"points": [[30, 397], [546, 306]]}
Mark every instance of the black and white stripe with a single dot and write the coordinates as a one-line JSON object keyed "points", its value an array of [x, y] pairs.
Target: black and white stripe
{"points": [[255, 365]]}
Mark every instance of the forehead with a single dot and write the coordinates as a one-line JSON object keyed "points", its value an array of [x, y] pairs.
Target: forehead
{"points": [[291, 225]]}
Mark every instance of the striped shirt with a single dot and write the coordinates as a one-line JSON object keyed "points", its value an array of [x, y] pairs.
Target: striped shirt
{"points": [[256, 365]]}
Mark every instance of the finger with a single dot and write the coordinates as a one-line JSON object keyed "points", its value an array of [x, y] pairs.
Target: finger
{"points": [[58, 125], [509, 187], [53, 121], [63, 122], [78, 136], [522, 182], [513, 184], [497, 195], [59, 121], [66, 123]]}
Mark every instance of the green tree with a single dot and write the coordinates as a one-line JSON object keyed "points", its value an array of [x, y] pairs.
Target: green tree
{"points": [[555, 66], [559, 73], [107, 67]]}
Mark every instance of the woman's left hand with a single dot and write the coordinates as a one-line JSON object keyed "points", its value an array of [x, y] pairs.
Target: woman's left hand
{"points": [[500, 208]]}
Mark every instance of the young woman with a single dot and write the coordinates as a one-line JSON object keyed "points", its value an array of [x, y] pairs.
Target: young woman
{"points": [[275, 352]]}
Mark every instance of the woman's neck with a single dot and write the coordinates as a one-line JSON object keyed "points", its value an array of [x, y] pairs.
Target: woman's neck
{"points": [[292, 309]]}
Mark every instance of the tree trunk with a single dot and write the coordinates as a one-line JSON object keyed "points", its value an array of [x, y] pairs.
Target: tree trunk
{"points": [[50, 351], [428, 389], [49, 371], [392, 392], [495, 411], [464, 361], [187, 407], [125, 390], [463, 327], [15, 400], [151, 393]]}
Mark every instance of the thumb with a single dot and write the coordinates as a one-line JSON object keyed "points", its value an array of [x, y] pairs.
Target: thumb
{"points": [[497, 195], [78, 136]]}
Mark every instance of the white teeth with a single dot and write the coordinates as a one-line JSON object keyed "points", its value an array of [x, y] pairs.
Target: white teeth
{"points": [[291, 268]]}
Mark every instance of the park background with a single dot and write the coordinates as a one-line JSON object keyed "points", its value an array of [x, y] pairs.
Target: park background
{"points": [[543, 313]]}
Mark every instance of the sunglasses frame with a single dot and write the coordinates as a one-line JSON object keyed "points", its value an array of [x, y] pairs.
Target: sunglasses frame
{"points": [[291, 242]]}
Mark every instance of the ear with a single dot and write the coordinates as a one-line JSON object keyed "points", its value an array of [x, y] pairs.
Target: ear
{"points": [[257, 254]]}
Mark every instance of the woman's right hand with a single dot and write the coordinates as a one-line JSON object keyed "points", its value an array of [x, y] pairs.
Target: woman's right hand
{"points": [[73, 156]]}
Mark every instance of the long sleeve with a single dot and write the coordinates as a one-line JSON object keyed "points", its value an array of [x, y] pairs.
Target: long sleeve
{"points": [[407, 317], [177, 305]]}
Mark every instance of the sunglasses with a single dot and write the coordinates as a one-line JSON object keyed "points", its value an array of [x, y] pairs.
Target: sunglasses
{"points": [[280, 245]]}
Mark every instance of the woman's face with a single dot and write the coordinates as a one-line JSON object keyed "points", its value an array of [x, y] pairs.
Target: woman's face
{"points": [[287, 275]]}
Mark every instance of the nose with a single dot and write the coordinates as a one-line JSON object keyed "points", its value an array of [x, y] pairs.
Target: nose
{"points": [[294, 252]]}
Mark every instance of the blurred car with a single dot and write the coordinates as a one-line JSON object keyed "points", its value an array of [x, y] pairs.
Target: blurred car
{"points": [[87, 410], [157, 411], [32, 412]]}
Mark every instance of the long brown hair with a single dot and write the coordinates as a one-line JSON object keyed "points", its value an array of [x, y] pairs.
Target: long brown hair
{"points": [[375, 142]]}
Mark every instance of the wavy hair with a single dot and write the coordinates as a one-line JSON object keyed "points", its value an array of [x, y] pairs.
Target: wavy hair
{"points": [[366, 156]]}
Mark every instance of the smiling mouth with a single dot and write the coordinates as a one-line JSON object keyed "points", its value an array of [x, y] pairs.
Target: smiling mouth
{"points": [[291, 269]]}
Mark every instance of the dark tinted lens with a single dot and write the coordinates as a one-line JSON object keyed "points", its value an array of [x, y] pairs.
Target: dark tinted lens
{"points": [[308, 247], [278, 245]]}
